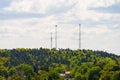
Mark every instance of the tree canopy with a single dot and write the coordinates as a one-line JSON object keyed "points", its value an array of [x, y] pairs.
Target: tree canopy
{"points": [[46, 64]]}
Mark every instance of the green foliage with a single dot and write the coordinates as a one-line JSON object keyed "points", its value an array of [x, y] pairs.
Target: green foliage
{"points": [[26, 70], [15, 77], [2, 78], [116, 76], [54, 75], [93, 73], [3, 71], [45, 64], [79, 76], [43, 75], [12, 71]]}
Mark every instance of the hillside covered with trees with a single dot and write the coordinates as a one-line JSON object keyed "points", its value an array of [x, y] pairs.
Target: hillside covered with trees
{"points": [[46, 64]]}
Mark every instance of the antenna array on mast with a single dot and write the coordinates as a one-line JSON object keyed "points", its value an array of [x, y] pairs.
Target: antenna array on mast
{"points": [[51, 40], [56, 36], [79, 36]]}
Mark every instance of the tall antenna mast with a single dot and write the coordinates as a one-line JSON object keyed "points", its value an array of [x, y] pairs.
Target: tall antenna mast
{"points": [[79, 36], [56, 36], [51, 40]]}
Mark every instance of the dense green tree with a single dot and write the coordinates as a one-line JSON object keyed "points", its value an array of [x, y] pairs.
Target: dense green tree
{"points": [[46, 64], [14, 77], [43, 75], [2, 78], [79, 76], [12, 71], [93, 73], [26, 69], [105, 75], [54, 75], [116, 75]]}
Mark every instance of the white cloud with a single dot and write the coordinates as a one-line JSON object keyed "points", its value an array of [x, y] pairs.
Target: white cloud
{"points": [[81, 10], [35, 32], [101, 37], [36, 6], [97, 29]]}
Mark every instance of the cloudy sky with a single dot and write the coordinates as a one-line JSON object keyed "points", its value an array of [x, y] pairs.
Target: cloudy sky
{"points": [[28, 24]]}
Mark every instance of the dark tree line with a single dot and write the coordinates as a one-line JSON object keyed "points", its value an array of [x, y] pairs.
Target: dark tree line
{"points": [[46, 64]]}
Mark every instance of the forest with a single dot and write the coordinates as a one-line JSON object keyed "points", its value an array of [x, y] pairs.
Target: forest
{"points": [[62, 64]]}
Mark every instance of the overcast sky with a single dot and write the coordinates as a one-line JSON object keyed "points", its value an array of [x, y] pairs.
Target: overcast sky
{"points": [[28, 24]]}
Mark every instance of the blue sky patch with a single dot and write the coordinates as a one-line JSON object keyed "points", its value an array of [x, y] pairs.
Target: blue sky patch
{"points": [[115, 8], [4, 3]]}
